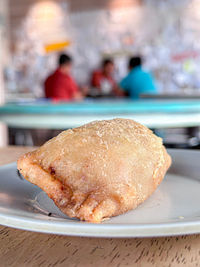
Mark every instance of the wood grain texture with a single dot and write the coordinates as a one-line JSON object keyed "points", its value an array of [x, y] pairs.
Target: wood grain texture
{"points": [[23, 248], [12, 153]]}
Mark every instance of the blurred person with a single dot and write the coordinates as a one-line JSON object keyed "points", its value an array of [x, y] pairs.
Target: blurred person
{"points": [[137, 81], [102, 80], [60, 85]]}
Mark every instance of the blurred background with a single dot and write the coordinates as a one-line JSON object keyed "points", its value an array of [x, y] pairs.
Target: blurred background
{"points": [[165, 34]]}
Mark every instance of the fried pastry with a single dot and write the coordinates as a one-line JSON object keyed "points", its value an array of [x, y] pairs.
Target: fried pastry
{"points": [[99, 170]]}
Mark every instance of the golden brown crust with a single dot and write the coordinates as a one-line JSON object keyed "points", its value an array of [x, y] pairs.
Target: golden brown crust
{"points": [[99, 170]]}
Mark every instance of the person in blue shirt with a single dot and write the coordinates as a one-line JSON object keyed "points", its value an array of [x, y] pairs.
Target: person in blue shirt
{"points": [[137, 81]]}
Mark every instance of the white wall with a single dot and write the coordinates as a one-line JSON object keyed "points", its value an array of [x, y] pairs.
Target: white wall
{"points": [[159, 30]]}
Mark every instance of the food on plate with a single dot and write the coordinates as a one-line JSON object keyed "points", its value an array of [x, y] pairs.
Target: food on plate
{"points": [[99, 170]]}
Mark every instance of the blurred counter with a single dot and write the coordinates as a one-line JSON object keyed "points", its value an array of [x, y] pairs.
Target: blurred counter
{"points": [[157, 113], [179, 96]]}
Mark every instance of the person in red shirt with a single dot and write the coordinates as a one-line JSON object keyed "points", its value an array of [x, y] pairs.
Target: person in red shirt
{"points": [[102, 81], [60, 85]]}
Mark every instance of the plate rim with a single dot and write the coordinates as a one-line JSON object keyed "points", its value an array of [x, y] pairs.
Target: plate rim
{"points": [[102, 230], [114, 230]]}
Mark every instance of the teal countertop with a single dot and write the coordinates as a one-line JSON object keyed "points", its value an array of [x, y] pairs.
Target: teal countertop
{"points": [[103, 107]]}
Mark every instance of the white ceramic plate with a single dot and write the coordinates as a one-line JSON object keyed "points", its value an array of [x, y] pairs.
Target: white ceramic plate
{"points": [[172, 210]]}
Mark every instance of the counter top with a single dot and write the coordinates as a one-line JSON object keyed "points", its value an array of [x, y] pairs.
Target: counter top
{"points": [[103, 106], [152, 113]]}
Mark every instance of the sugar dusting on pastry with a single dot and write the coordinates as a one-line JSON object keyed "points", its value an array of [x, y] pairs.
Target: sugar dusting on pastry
{"points": [[101, 169]]}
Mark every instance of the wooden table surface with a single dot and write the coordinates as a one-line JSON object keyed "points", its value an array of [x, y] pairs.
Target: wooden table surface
{"points": [[23, 248]]}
